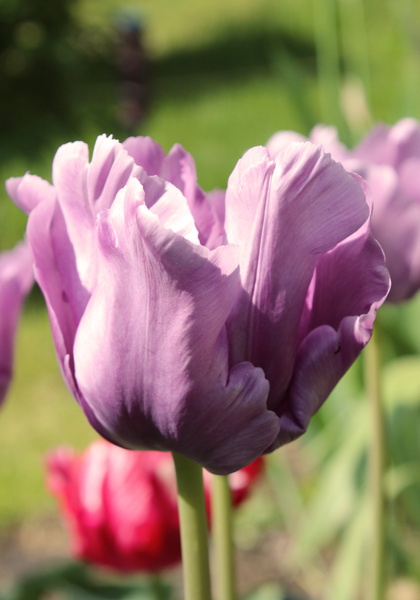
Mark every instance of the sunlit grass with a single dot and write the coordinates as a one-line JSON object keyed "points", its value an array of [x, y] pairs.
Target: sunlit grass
{"points": [[186, 23], [39, 414], [218, 126]]}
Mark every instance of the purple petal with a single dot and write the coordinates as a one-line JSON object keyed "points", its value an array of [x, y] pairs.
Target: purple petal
{"points": [[216, 234], [28, 191], [146, 153], [395, 223], [44, 238], [83, 189], [350, 284], [65, 297], [348, 280], [178, 168], [16, 279], [109, 170], [327, 137], [280, 140], [284, 215], [386, 145], [172, 209], [69, 177], [169, 385], [409, 177]]}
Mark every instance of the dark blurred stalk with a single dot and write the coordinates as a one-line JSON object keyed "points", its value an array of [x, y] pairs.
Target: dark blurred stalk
{"points": [[377, 469], [223, 548]]}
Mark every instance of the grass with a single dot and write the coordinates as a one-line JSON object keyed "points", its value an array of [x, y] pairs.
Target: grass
{"points": [[39, 414], [186, 23], [224, 121]]}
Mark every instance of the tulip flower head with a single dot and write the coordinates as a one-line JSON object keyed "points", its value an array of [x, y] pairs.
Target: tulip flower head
{"points": [[120, 506], [388, 158], [214, 325], [16, 279]]}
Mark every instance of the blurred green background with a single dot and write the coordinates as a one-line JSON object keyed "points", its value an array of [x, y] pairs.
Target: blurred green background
{"points": [[222, 76]]}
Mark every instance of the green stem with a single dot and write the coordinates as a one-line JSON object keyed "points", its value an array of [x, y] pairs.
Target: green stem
{"points": [[328, 64], [194, 533], [356, 48], [357, 65], [377, 469], [224, 558]]}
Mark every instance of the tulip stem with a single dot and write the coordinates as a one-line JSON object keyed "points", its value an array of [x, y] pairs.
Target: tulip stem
{"points": [[194, 532], [377, 469], [328, 64], [223, 548]]}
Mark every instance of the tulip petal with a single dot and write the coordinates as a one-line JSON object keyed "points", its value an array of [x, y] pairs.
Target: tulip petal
{"points": [[386, 145], [65, 297], [109, 171], [84, 189], [28, 191], [146, 153], [327, 137], [120, 509], [168, 386], [395, 223], [178, 168], [283, 215], [349, 280], [44, 236], [349, 285], [280, 140], [16, 279]]}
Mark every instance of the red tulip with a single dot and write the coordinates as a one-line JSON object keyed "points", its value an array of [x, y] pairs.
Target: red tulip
{"points": [[121, 505]]}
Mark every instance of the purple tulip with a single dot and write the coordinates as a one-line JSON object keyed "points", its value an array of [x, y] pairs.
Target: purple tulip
{"points": [[182, 321], [16, 279], [388, 158]]}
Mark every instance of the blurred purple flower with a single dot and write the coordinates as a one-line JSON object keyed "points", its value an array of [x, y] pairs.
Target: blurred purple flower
{"points": [[388, 158], [184, 322], [16, 279]]}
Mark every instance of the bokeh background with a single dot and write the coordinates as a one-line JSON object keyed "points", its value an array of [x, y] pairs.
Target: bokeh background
{"points": [[217, 77]]}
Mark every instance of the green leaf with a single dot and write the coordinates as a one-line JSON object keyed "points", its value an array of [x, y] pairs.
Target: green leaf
{"points": [[350, 557], [77, 582], [270, 591], [337, 488]]}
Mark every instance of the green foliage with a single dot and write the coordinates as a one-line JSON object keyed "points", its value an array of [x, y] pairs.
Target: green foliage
{"points": [[270, 591], [45, 67], [76, 582]]}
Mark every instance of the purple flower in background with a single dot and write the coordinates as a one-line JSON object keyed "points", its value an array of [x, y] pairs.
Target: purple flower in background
{"points": [[207, 325], [388, 158], [16, 279]]}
